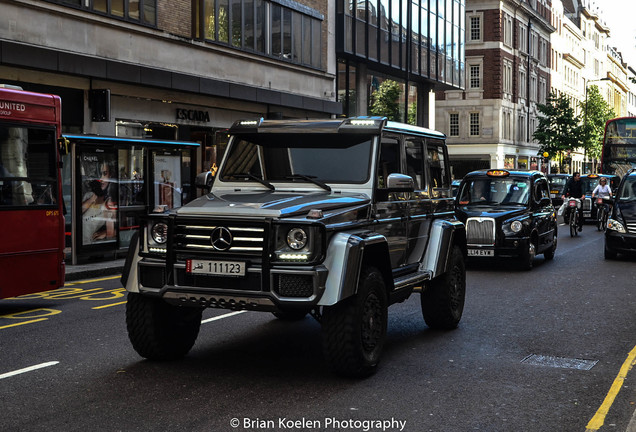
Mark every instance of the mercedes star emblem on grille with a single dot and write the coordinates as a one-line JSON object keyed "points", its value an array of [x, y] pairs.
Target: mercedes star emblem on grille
{"points": [[221, 238]]}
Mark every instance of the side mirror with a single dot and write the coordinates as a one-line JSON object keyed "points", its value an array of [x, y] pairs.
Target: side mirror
{"points": [[204, 180], [400, 183]]}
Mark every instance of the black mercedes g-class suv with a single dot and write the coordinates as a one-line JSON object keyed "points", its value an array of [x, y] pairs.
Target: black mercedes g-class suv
{"points": [[336, 218]]}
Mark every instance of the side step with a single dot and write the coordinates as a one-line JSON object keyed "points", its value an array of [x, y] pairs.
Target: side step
{"points": [[412, 279]]}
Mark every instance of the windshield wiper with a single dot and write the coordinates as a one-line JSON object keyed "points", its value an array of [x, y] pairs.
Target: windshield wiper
{"points": [[255, 178], [311, 179]]}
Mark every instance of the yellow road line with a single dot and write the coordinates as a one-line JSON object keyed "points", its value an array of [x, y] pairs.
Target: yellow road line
{"points": [[92, 280], [109, 305], [23, 323], [599, 418]]}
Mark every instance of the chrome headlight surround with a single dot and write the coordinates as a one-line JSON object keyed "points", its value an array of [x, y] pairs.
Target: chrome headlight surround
{"points": [[516, 226], [155, 236], [614, 225], [298, 244]]}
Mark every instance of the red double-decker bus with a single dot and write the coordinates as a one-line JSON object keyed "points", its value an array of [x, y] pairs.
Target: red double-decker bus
{"points": [[619, 146], [31, 208]]}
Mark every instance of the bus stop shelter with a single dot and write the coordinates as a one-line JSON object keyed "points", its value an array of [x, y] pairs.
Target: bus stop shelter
{"points": [[110, 182]]}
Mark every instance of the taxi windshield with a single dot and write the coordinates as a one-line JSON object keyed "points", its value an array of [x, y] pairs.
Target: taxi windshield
{"points": [[495, 191]]}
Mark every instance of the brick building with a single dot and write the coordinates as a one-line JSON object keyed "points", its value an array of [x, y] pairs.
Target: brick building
{"points": [[491, 122]]}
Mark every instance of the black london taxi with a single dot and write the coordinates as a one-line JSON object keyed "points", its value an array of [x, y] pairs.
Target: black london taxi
{"points": [[508, 214], [557, 184], [590, 181], [620, 235]]}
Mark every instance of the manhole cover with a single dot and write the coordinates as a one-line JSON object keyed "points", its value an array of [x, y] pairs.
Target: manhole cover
{"points": [[559, 362]]}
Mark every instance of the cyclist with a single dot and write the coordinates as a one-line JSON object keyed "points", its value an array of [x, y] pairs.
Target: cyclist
{"points": [[574, 189], [602, 190]]}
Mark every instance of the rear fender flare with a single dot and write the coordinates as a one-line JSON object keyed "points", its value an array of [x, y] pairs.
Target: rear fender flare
{"points": [[444, 235]]}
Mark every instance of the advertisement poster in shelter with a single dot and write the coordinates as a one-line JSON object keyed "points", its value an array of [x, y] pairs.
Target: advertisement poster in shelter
{"points": [[99, 189], [167, 178]]}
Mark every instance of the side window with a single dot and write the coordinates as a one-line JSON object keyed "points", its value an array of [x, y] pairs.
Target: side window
{"points": [[438, 168], [415, 162], [540, 190], [389, 160]]}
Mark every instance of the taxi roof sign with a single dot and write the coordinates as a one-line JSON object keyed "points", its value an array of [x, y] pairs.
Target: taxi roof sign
{"points": [[592, 175], [498, 173]]}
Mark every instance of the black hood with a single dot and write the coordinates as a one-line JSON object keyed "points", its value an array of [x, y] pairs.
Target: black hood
{"points": [[269, 203]]}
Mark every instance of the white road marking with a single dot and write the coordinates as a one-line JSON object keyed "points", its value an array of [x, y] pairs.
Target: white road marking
{"points": [[222, 316], [28, 369]]}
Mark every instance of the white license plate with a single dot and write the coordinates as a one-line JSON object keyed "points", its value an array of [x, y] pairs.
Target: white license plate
{"points": [[481, 252], [553, 195], [219, 268]]}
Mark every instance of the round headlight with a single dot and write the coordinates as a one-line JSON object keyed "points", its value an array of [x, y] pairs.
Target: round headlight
{"points": [[516, 226], [296, 238], [159, 232]]}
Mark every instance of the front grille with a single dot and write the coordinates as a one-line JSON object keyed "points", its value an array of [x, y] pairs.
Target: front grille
{"points": [[196, 236], [294, 285], [587, 204], [480, 231], [631, 227]]}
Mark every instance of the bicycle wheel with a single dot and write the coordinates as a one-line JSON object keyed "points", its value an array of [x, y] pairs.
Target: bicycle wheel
{"points": [[600, 215], [573, 223]]}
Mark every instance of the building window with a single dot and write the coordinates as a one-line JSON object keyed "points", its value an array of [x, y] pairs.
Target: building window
{"points": [[543, 88], [523, 38], [475, 28], [475, 77], [507, 28], [474, 124], [533, 88], [507, 77], [290, 33], [522, 84], [453, 122], [141, 11]]}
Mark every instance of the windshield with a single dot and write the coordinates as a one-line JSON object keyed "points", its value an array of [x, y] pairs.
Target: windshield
{"points": [[589, 184], [495, 191], [558, 183], [628, 191], [621, 131], [298, 158]]}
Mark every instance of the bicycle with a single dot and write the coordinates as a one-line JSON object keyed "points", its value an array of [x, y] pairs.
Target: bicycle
{"points": [[601, 214], [574, 222]]}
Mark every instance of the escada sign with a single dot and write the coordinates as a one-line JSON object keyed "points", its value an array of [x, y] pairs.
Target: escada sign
{"points": [[193, 115]]}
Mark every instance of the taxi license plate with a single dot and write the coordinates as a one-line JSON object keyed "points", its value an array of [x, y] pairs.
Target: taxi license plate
{"points": [[481, 252], [215, 268]]}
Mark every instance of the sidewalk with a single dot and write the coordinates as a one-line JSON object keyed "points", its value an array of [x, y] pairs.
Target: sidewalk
{"points": [[94, 269]]}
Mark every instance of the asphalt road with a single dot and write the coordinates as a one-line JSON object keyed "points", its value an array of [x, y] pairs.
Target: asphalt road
{"points": [[545, 350]]}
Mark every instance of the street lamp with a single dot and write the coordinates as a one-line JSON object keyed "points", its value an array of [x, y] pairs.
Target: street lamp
{"points": [[585, 118]]}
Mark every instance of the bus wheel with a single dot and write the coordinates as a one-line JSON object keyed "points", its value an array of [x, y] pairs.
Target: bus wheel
{"points": [[159, 331]]}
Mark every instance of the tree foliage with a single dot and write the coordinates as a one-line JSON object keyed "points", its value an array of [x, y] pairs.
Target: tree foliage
{"points": [[595, 114], [386, 100], [558, 131]]}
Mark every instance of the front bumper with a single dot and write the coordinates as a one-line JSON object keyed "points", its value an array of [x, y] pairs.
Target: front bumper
{"points": [[620, 242], [514, 247], [273, 289]]}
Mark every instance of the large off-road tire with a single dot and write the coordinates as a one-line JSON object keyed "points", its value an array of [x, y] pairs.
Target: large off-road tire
{"points": [[159, 331], [443, 300], [354, 330]]}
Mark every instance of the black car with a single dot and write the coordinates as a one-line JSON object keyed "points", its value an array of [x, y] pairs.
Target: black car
{"points": [[620, 235], [557, 184], [508, 214], [590, 181]]}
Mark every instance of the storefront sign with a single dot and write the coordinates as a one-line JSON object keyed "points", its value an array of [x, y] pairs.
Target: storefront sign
{"points": [[193, 115]]}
